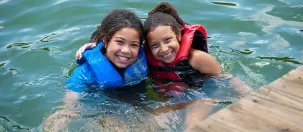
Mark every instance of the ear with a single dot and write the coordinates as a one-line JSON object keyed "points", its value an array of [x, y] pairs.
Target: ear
{"points": [[105, 44], [179, 36]]}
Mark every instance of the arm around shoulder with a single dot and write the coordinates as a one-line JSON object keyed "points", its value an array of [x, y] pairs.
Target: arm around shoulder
{"points": [[204, 62]]}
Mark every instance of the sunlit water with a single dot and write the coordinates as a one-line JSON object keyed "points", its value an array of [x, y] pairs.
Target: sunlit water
{"points": [[257, 41]]}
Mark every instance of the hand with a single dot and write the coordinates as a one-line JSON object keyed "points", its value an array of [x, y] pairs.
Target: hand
{"points": [[83, 48], [58, 120], [197, 112]]}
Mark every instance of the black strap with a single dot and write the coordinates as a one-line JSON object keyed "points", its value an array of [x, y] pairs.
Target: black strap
{"points": [[170, 69]]}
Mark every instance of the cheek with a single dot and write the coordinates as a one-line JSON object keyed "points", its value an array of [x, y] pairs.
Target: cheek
{"points": [[108, 46], [135, 52], [177, 47], [113, 47], [154, 52]]}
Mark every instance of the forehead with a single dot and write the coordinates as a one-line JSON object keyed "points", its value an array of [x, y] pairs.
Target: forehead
{"points": [[127, 34], [160, 32]]}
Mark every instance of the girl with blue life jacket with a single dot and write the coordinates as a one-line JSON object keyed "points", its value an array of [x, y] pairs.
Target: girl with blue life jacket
{"points": [[117, 60]]}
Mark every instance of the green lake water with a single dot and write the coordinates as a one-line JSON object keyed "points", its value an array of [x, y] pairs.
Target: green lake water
{"points": [[255, 40]]}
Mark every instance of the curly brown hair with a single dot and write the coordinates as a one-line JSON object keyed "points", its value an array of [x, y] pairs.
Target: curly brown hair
{"points": [[163, 14], [113, 22]]}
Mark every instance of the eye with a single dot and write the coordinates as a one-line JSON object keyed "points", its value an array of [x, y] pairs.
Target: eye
{"points": [[119, 42], [134, 45], [167, 40], [153, 46]]}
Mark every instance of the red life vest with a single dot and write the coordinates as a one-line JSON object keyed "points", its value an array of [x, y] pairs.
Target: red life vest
{"points": [[194, 36], [179, 71]]}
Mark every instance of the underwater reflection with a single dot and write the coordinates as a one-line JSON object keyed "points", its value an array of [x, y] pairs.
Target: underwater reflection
{"points": [[142, 108]]}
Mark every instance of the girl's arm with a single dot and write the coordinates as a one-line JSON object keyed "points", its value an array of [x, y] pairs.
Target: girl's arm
{"points": [[204, 62], [57, 121], [83, 48], [207, 64], [70, 99], [76, 83], [236, 83]]}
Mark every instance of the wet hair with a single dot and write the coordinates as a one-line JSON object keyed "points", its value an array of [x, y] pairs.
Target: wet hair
{"points": [[113, 22], [163, 14]]}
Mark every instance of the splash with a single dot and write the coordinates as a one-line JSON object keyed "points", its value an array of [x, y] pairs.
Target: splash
{"points": [[245, 51]]}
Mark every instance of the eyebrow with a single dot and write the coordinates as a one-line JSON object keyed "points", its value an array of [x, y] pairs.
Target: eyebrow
{"points": [[136, 42], [125, 40], [120, 38], [152, 44], [167, 37]]}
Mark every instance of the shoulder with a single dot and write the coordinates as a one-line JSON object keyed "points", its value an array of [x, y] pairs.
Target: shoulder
{"points": [[203, 62], [195, 55]]}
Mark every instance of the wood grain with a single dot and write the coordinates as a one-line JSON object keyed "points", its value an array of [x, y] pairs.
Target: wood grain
{"points": [[277, 107]]}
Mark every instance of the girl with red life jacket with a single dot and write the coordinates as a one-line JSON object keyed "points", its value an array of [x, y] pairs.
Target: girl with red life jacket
{"points": [[178, 52]]}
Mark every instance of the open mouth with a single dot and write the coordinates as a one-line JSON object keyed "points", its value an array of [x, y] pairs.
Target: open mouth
{"points": [[167, 55], [123, 59]]}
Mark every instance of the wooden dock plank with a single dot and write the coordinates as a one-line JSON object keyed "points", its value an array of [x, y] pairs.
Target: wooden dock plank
{"points": [[286, 112], [274, 107], [286, 85], [248, 115]]}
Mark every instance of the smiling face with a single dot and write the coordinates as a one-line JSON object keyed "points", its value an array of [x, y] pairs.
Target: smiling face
{"points": [[123, 47], [164, 43]]}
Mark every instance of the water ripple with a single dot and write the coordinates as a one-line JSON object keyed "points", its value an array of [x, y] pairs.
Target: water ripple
{"points": [[60, 1], [269, 22], [225, 3], [3, 1], [257, 41]]}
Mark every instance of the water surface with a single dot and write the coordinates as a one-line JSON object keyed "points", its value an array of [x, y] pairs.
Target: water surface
{"points": [[257, 41]]}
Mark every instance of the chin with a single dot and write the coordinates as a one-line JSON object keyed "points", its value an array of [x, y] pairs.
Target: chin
{"points": [[168, 61], [121, 65]]}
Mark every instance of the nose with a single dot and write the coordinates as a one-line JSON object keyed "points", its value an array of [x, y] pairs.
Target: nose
{"points": [[163, 48], [125, 49]]}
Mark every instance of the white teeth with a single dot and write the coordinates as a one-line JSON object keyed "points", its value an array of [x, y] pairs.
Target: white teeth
{"points": [[167, 55], [122, 58]]}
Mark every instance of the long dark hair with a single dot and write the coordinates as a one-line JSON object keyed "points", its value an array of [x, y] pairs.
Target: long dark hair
{"points": [[163, 14], [114, 21]]}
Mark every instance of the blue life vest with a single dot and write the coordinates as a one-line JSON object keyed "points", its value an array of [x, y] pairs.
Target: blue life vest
{"points": [[98, 70]]}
